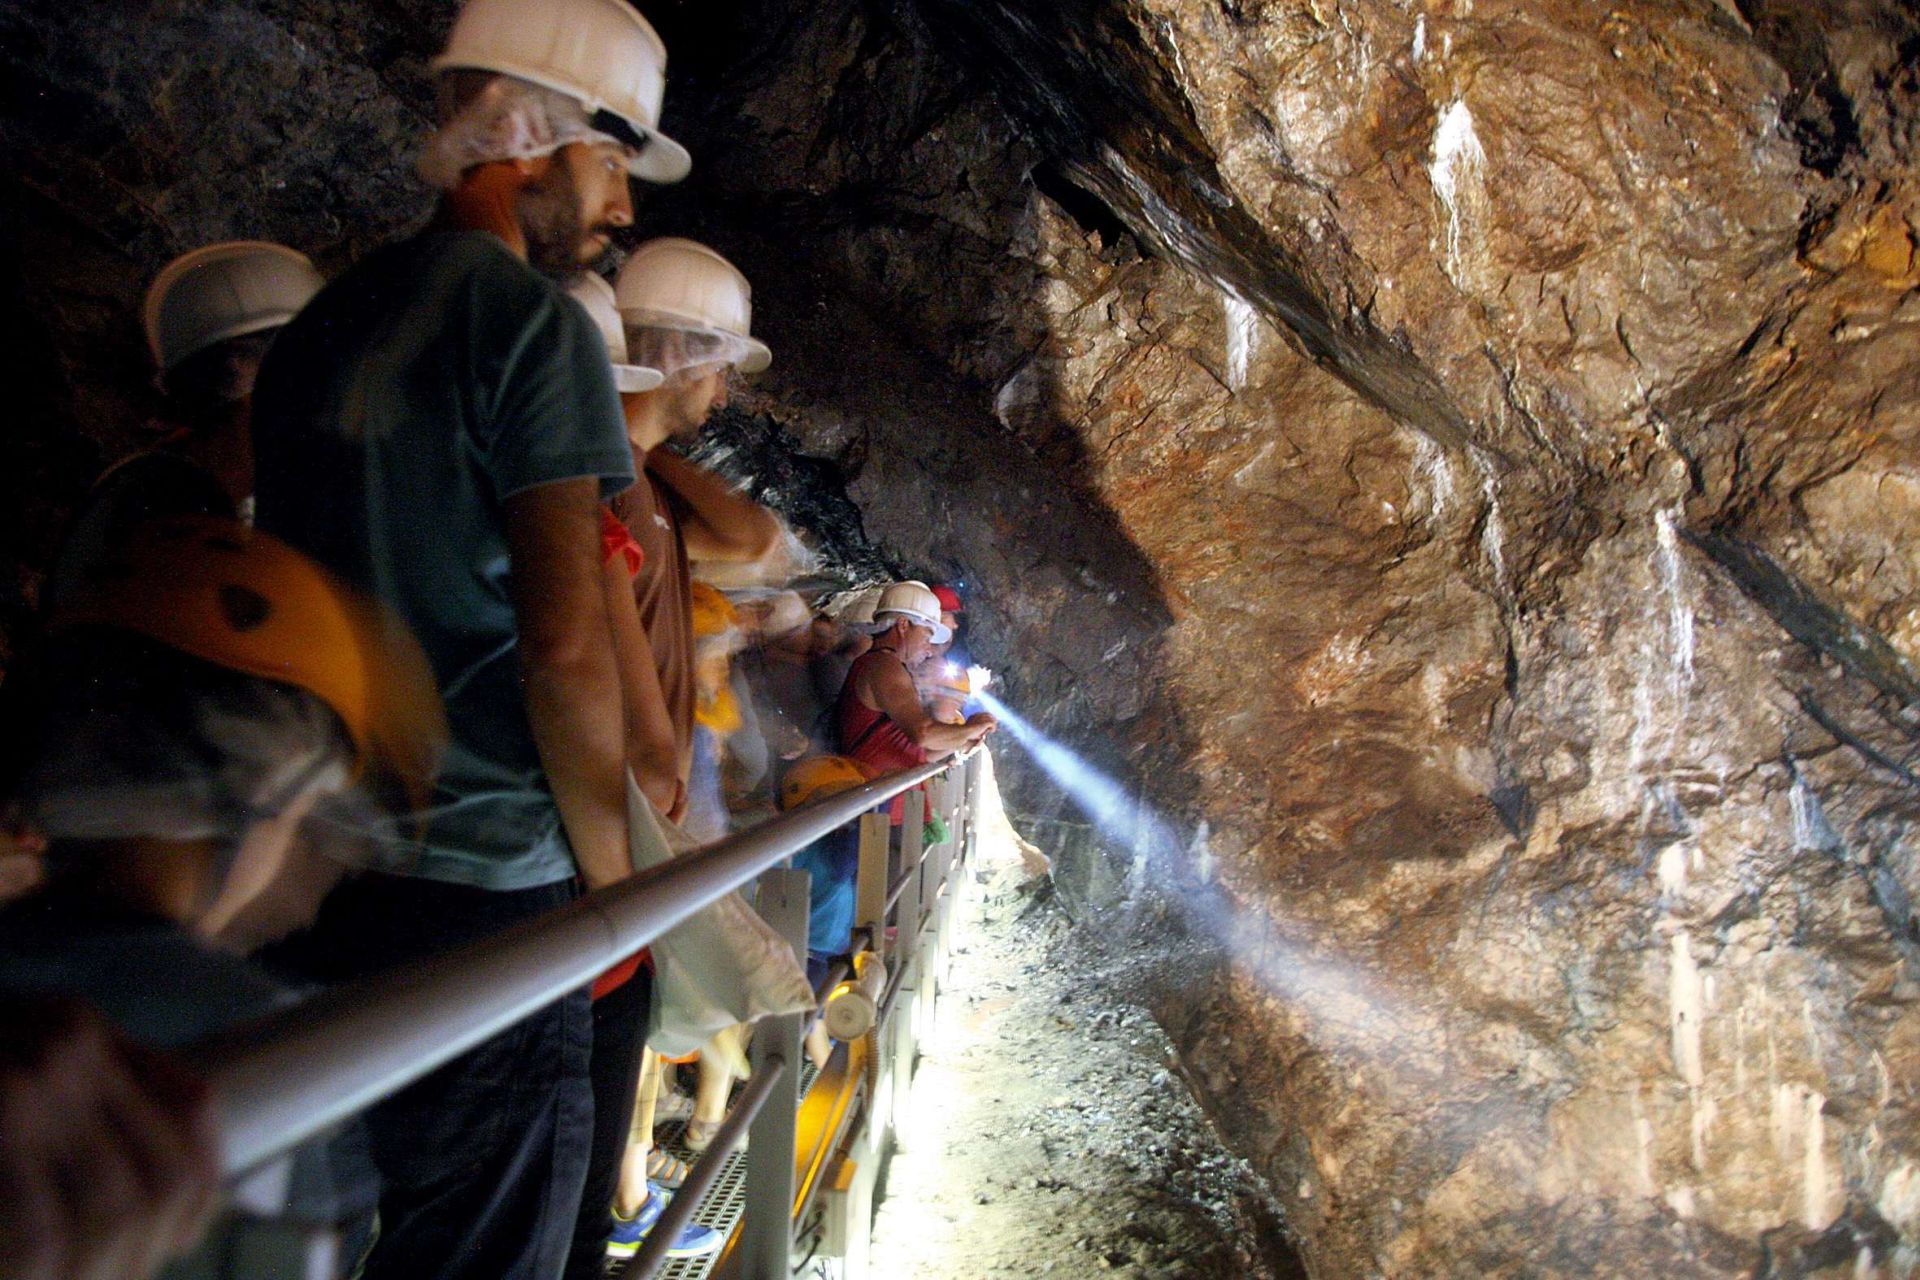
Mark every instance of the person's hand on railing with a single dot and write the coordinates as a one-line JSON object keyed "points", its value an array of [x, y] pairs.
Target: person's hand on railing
{"points": [[107, 1151], [980, 724]]}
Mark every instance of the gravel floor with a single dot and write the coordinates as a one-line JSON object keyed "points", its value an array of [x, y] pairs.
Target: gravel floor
{"points": [[1047, 1134]]}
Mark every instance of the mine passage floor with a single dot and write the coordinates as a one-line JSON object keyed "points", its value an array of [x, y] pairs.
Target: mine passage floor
{"points": [[1046, 1134]]}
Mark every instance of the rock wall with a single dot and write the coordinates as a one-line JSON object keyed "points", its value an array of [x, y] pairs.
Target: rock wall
{"points": [[1453, 458], [1511, 405]]}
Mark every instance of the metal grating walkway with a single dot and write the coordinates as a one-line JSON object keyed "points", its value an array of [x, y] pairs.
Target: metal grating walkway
{"points": [[724, 1206]]}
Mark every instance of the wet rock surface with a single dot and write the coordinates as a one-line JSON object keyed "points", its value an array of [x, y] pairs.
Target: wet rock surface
{"points": [[1454, 460]]}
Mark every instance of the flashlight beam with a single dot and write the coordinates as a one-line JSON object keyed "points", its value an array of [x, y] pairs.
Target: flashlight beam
{"points": [[1116, 813]]}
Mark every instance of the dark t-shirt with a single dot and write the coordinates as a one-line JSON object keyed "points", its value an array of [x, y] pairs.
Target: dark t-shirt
{"points": [[664, 591], [392, 420]]}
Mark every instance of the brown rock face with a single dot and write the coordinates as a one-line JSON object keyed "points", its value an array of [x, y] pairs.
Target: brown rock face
{"points": [[1542, 673], [1454, 459]]}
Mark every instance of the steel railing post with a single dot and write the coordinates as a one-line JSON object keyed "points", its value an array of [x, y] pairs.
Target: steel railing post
{"points": [[870, 892], [912, 834], [766, 1231], [970, 793]]}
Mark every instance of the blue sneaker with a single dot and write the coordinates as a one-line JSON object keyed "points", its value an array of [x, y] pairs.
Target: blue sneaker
{"points": [[695, 1240]]}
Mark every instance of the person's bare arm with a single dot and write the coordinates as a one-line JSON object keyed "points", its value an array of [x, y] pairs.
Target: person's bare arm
{"points": [[721, 525], [894, 694], [651, 751], [572, 681]]}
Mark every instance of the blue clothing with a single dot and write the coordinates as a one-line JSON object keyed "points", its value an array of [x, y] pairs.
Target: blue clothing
{"points": [[483, 1159], [706, 818], [392, 420], [833, 864]]}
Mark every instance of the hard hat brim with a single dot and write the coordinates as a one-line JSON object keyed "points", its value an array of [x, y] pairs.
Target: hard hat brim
{"points": [[226, 333], [661, 161], [657, 158], [188, 263], [941, 631], [636, 377], [758, 356]]}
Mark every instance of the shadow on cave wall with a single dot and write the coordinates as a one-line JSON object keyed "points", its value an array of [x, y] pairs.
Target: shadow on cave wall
{"points": [[879, 225], [867, 184]]}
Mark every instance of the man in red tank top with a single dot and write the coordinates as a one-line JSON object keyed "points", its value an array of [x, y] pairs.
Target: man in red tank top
{"points": [[881, 721]]}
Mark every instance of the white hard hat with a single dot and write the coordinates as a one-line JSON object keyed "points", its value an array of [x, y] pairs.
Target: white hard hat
{"points": [[224, 291], [672, 283], [600, 52], [916, 602], [596, 295]]}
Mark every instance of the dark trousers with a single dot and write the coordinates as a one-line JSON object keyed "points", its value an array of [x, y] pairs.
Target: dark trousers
{"points": [[482, 1160], [619, 1039]]}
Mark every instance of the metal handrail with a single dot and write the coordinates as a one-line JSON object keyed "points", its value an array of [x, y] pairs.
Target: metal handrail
{"points": [[281, 1079]]}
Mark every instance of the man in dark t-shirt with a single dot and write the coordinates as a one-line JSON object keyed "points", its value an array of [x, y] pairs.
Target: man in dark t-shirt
{"points": [[399, 462], [441, 426]]}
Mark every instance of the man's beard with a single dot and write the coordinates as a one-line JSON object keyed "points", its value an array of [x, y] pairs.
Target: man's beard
{"points": [[550, 220]]}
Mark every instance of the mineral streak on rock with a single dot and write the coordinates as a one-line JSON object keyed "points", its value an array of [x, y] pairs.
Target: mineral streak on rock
{"points": [[1461, 451], [1459, 179]]}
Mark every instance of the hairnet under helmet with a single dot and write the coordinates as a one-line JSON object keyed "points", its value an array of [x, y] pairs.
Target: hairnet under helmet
{"points": [[596, 295], [130, 738], [687, 310], [682, 355], [602, 54], [509, 119]]}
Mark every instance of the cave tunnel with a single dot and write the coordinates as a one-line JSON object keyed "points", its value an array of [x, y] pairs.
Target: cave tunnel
{"points": [[1452, 466]]}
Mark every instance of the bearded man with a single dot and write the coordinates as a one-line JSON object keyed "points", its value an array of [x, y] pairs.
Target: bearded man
{"points": [[441, 427]]}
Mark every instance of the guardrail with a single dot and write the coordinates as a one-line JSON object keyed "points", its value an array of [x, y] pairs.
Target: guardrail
{"points": [[282, 1079], [279, 1080], [825, 1190]]}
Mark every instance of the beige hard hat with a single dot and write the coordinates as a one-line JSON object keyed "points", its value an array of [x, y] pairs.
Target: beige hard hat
{"points": [[224, 291], [916, 602], [601, 53], [854, 608], [596, 295], [672, 283]]}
